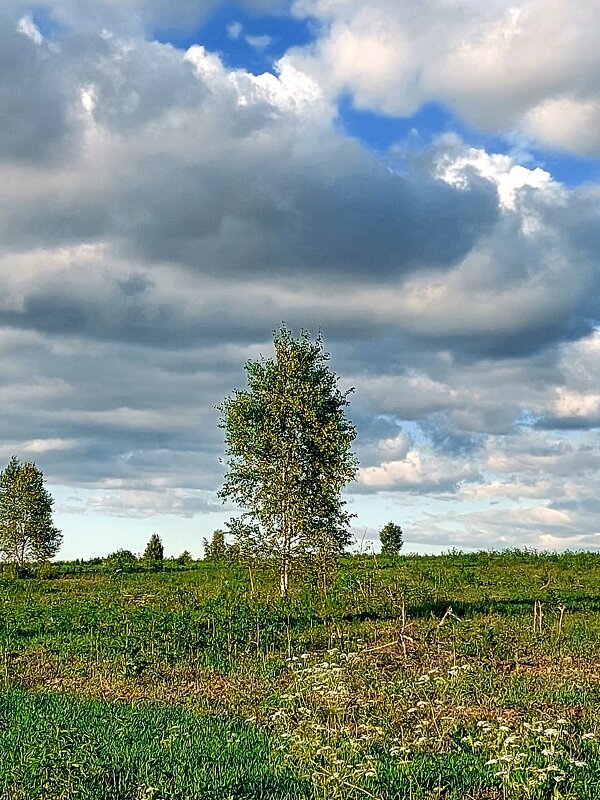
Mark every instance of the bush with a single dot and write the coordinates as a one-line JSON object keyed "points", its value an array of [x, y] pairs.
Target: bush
{"points": [[123, 561]]}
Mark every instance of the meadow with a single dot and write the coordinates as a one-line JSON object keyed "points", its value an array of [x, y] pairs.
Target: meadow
{"points": [[414, 677]]}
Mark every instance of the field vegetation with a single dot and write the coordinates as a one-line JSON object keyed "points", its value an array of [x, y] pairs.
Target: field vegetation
{"points": [[410, 677]]}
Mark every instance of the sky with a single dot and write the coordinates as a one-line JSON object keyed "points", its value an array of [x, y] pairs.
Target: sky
{"points": [[418, 180]]}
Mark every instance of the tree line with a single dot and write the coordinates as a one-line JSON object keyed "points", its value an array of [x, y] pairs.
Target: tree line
{"points": [[288, 447]]}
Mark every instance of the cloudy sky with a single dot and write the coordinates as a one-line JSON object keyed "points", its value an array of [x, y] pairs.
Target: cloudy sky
{"points": [[420, 180]]}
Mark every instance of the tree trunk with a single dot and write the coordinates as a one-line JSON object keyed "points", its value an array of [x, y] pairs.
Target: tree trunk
{"points": [[284, 576], [21, 555], [284, 564]]}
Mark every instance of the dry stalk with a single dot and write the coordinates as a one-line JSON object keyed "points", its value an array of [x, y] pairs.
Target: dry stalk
{"points": [[538, 616]]}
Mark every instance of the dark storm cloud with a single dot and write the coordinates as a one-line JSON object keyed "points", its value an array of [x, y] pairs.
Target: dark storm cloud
{"points": [[370, 226], [569, 423]]}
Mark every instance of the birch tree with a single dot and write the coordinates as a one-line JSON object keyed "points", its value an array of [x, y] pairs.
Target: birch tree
{"points": [[26, 530], [288, 446]]}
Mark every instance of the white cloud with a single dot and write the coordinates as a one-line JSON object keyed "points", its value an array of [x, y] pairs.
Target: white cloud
{"points": [[508, 176], [566, 123], [234, 30], [28, 28], [47, 445], [259, 42], [143, 504], [531, 65], [420, 470], [577, 404]]}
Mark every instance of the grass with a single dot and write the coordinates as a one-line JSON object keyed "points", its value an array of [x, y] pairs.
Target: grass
{"points": [[59, 746], [413, 678]]}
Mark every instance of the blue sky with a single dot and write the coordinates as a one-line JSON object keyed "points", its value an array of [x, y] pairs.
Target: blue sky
{"points": [[420, 181], [227, 29]]}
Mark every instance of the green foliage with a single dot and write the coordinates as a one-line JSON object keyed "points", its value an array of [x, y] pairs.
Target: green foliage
{"points": [[26, 530], [184, 559], [391, 539], [288, 444], [154, 553], [122, 561], [216, 549]]}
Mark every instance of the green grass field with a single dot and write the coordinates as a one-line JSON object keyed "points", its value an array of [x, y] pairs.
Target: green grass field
{"points": [[458, 676]]}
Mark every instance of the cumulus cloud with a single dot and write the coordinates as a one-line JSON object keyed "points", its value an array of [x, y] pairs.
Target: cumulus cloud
{"points": [[530, 65], [418, 471]]}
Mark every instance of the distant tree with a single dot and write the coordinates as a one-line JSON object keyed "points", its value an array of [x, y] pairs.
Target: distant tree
{"points": [[216, 549], [184, 559], [288, 445], [154, 549], [391, 539], [26, 530]]}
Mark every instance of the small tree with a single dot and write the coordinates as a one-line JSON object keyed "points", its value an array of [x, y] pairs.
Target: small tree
{"points": [[216, 549], [154, 549], [184, 559], [154, 552], [26, 530], [391, 539], [288, 446]]}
